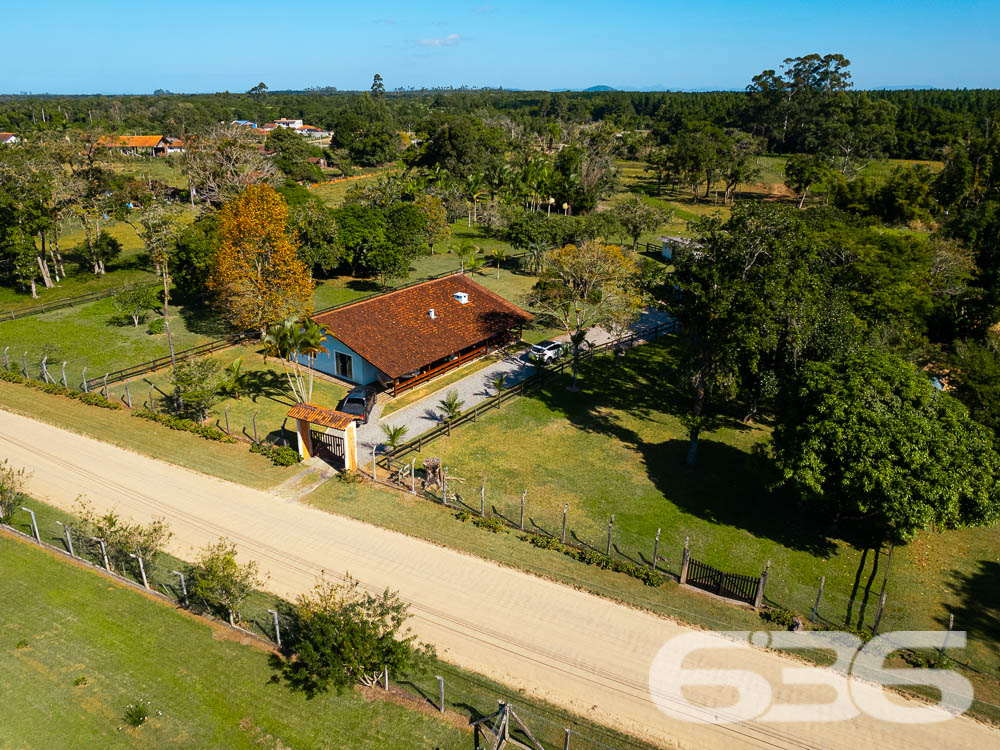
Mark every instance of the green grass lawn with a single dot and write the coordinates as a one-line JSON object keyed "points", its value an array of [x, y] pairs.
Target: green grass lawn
{"points": [[129, 266], [618, 446], [87, 336], [165, 169], [204, 689], [269, 395], [74, 643]]}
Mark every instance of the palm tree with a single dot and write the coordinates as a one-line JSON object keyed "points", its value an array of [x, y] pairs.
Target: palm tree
{"points": [[499, 255], [394, 434], [282, 341], [473, 187], [310, 343], [451, 405], [499, 382], [468, 254], [236, 381]]}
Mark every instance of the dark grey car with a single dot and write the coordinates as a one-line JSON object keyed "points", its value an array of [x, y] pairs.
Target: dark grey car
{"points": [[359, 402]]}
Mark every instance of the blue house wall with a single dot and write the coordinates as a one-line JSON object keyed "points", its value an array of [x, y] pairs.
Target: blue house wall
{"points": [[364, 372]]}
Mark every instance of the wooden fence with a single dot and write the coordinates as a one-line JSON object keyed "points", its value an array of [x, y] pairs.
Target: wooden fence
{"points": [[541, 376], [59, 304]]}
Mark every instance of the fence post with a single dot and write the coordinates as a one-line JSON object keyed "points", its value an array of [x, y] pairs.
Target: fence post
{"points": [[184, 588], [611, 525], [374, 465], [760, 587], [255, 428], [69, 540], [482, 499], [34, 523], [24, 364], [6, 358], [106, 387], [104, 552], [656, 548], [128, 396], [227, 408], [385, 678], [947, 635], [565, 511], [142, 569], [45, 370], [878, 615], [685, 559], [523, 495], [65, 384], [413, 477], [475, 412], [566, 741], [444, 485], [277, 630], [819, 595], [440, 680], [85, 388]]}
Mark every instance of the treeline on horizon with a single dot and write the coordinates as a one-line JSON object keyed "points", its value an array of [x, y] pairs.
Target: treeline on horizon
{"points": [[923, 122]]}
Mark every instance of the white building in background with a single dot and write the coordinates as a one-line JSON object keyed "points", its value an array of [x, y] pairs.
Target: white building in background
{"points": [[9, 138]]}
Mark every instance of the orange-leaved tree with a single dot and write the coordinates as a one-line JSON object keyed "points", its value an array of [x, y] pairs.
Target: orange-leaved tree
{"points": [[258, 278]]}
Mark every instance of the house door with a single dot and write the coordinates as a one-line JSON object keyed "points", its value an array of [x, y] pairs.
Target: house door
{"points": [[328, 447]]}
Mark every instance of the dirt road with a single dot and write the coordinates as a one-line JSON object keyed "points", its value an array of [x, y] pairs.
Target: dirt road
{"points": [[580, 651]]}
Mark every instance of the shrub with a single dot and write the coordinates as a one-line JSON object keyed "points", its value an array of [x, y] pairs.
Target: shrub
{"points": [[80, 682], [21, 644], [491, 523], [350, 477], [280, 455], [600, 560], [137, 713], [95, 399], [156, 326], [184, 425], [778, 616]]}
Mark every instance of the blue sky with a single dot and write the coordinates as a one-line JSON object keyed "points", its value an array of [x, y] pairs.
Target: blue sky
{"points": [[118, 47]]}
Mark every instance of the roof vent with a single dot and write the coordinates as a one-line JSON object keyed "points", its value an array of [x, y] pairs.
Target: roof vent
{"points": [[431, 313], [462, 297]]}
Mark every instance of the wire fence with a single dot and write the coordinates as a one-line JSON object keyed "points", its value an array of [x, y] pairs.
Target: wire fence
{"points": [[59, 304], [465, 693]]}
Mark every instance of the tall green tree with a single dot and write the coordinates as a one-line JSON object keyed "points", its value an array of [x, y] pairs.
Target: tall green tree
{"points": [[871, 441]]}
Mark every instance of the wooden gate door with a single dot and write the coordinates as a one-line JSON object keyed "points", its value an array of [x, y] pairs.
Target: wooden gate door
{"points": [[328, 447]]}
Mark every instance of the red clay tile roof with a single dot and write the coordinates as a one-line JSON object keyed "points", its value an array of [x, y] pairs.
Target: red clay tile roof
{"points": [[313, 414], [396, 333], [129, 141]]}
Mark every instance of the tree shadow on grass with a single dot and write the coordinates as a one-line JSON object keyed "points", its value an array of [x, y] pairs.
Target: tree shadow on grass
{"points": [[979, 611], [727, 486], [363, 285], [204, 320]]}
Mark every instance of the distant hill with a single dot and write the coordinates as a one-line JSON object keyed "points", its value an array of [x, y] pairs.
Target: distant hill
{"points": [[601, 88]]}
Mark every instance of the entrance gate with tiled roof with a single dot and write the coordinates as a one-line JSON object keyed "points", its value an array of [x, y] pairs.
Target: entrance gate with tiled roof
{"points": [[328, 447]]}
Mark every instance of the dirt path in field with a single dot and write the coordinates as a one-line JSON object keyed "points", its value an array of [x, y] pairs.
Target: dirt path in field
{"points": [[577, 650]]}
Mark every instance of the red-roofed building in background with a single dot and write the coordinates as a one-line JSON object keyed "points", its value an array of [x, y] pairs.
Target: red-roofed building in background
{"points": [[135, 145], [8, 138], [401, 339]]}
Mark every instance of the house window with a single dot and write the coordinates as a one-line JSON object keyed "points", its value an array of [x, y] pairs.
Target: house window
{"points": [[345, 365]]}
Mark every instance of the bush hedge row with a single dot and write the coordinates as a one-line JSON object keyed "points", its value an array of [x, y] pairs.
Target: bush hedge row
{"points": [[184, 425], [94, 399]]}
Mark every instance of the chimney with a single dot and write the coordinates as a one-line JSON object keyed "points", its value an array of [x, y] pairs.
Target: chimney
{"points": [[462, 297], [431, 313]]}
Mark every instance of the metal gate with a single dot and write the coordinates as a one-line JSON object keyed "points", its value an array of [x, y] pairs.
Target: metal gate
{"points": [[328, 447], [731, 585]]}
